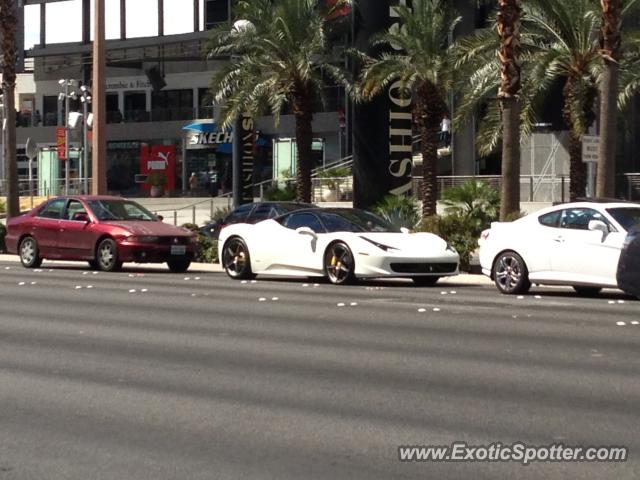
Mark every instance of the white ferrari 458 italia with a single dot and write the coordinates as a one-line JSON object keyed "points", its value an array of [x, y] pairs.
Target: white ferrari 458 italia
{"points": [[341, 244]]}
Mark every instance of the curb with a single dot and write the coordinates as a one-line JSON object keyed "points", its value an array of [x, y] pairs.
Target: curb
{"points": [[461, 280]]}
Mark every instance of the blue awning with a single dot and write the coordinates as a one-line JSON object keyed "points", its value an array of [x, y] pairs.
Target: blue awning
{"points": [[204, 127]]}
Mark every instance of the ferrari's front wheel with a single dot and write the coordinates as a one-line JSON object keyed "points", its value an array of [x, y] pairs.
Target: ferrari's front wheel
{"points": [[339, 265], [235, 259]]}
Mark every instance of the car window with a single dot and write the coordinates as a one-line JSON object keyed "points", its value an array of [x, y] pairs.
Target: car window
{"points": [[53, 209], [626, 216], [120, 210], [550, 219], [354, 220], [262, 212], [579, 218], [74, 207], [297, 220], [239, 214]]}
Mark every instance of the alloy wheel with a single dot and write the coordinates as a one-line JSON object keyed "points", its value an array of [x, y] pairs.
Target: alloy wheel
{"points": [[339, 264], [511, 274]]}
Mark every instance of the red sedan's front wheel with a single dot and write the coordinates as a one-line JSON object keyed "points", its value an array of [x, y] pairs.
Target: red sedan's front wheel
{"points": [[107, 256], [29, 253]]}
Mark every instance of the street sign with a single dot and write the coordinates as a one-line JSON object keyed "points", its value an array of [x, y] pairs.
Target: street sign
{"points": [[31, 149], [61, 143], [590, 148]]}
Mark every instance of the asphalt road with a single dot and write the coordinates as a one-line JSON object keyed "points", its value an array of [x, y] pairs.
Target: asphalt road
{"points": [[145, 374]]}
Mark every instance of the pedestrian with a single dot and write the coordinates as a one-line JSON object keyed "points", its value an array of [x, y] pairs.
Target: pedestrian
{"points": [[193, 183], [445, 130]]}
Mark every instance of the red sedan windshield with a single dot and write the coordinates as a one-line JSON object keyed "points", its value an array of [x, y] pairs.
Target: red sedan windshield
{"points": [[107, 210]]}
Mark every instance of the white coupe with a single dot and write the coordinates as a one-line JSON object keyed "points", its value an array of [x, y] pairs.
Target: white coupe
{"points": [[340, 243], [576, 244]]}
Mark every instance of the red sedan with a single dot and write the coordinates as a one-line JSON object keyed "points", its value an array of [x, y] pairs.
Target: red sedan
{"points": [[105, 231]]}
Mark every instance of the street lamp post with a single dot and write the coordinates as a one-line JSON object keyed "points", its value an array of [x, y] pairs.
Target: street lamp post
{"points": [[66, 84], [31, 149], [85, 98]]}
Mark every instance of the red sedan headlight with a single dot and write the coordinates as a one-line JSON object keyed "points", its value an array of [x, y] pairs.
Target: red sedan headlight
{"points": [[143, 239]]}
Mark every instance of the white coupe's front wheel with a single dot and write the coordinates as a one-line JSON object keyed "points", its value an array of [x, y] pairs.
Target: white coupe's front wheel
{"points": [[339, 265]]}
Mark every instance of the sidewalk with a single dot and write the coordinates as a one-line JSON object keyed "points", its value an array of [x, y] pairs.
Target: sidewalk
{"points": [[463, 279]]}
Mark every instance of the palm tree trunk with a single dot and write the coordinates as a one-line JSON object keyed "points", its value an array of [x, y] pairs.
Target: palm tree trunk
{"points": [[510, 185], [303, 113], [429, 110], [577, 168], [8, 22], [508, 22], [612, 53]]}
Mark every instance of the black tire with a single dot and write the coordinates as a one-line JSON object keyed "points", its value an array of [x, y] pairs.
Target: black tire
{"points": [[29, 253], [587, 291], [179, 266], [510, 274], [107, 256], [235, 259], [425, 281], [339, 264], [93, 265]]}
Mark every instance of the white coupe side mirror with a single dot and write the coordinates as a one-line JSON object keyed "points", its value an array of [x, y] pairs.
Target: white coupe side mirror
{"points": [[306, 231], [405, 230], [598, 226]]}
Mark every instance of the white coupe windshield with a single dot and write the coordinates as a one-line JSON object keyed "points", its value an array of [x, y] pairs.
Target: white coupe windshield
{"points": [[355, 221]]}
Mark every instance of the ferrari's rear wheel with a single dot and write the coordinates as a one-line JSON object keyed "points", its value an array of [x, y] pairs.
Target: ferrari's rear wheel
{"points": [[235, 259], [29, 253], [511, 274], [425, 281], [339, 264], [107, 256]]}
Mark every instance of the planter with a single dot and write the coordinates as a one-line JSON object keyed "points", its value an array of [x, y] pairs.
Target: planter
{"points": [[156, 191]]}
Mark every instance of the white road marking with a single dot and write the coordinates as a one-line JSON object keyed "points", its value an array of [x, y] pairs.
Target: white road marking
{"points": [[422, 310], [340, 304]]}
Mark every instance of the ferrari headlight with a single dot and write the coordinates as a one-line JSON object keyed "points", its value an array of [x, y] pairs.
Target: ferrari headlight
{"points": [[381, 246], [143, 239]]}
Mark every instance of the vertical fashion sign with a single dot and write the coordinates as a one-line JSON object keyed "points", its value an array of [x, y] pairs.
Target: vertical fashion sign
{"points": [[243, 159], [382, 128]]}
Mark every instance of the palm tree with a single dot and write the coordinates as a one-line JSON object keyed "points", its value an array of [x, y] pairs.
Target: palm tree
{"points": [[8, 22], [612, 55], [278, 53], [508, 26], [422, 64], [558, 42]]}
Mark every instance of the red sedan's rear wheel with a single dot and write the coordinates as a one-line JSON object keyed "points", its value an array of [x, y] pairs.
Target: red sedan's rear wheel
{"points": [[107, 256], [29, 253], [339, 265]]}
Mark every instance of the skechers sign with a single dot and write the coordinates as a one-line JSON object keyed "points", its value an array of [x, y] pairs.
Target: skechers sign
{"points": [[208, 135]]}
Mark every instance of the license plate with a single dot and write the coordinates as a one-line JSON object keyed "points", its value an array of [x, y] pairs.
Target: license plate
{"points": [[178, 249]]}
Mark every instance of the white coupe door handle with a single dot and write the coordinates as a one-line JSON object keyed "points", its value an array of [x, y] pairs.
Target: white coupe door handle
{"points": [[559, 239]]}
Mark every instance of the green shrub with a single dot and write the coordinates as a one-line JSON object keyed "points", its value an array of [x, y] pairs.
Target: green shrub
{"points": [[207, 249], [399, 211], [477, 201], [3, 207], [3, 233], [220, 213], [286, 194], [458, 230]]}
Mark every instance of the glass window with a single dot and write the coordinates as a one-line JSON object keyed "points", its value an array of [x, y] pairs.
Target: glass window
{"points": [[355, 221], [627, 217], [262, 212], [74, 208], [168, 105], [579, 218], [550, 219], [239, 214], [297, 220], [53, 209], [216, 11], [120, 210]]}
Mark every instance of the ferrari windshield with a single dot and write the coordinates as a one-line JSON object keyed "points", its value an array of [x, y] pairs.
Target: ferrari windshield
{"points": [[627, 217], [354, 220], [120, 210]]}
